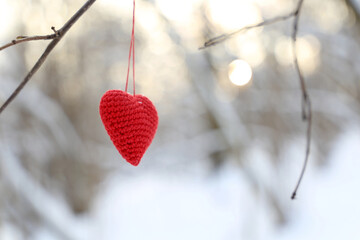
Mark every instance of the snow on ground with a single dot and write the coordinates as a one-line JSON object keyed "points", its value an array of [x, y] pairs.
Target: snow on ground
{"points": [[329, 205], [222, 206], [173, 207]]}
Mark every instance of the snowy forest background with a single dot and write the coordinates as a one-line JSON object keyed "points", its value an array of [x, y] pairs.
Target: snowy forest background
{"points": [[225, 159]]}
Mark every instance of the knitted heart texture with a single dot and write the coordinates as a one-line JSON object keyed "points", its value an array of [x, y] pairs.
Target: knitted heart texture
{"points": [[131, 122]]}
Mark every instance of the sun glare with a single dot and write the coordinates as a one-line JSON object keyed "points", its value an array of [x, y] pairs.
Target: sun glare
{"points": [[240, 72], [233, 14]]}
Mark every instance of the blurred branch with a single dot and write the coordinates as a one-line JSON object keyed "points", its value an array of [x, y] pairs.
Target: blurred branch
{"points": [[351, 4], [53, 211], [306, 103], [57, 36]]}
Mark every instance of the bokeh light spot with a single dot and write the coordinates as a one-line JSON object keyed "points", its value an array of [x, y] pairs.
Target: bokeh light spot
{"points": [[240, 72]]}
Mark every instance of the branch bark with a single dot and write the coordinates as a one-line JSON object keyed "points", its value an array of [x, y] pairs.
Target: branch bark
{"points": [[57, 36], [21, 39]]}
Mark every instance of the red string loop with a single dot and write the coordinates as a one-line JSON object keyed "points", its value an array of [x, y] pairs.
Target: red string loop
{"points": [[131, 53]]}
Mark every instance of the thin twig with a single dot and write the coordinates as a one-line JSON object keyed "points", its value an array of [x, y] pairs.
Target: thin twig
{"points": [[306, 103], [308, 142], [223, 37], [58, 35], [296, 62], [21, 39]]}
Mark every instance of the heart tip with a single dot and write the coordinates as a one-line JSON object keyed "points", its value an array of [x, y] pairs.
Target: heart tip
{"points": [[134, 163]]}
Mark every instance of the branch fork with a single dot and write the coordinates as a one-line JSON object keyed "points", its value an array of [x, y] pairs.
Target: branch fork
{"points": [[55, 37]]}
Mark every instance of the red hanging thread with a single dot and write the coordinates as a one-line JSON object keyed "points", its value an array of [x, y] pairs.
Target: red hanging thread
{"points": [[132, 47], [130, 120]]}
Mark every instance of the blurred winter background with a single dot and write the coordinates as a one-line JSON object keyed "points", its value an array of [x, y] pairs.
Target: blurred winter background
{"points": [[230, 143]]}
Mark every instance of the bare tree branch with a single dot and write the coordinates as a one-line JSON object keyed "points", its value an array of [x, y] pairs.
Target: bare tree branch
{"points": [[219, 39], [306, 103], [57, 36], [21, 39]]}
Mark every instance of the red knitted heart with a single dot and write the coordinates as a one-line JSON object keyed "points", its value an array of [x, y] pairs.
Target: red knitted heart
{"points": [[131, 122]]}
